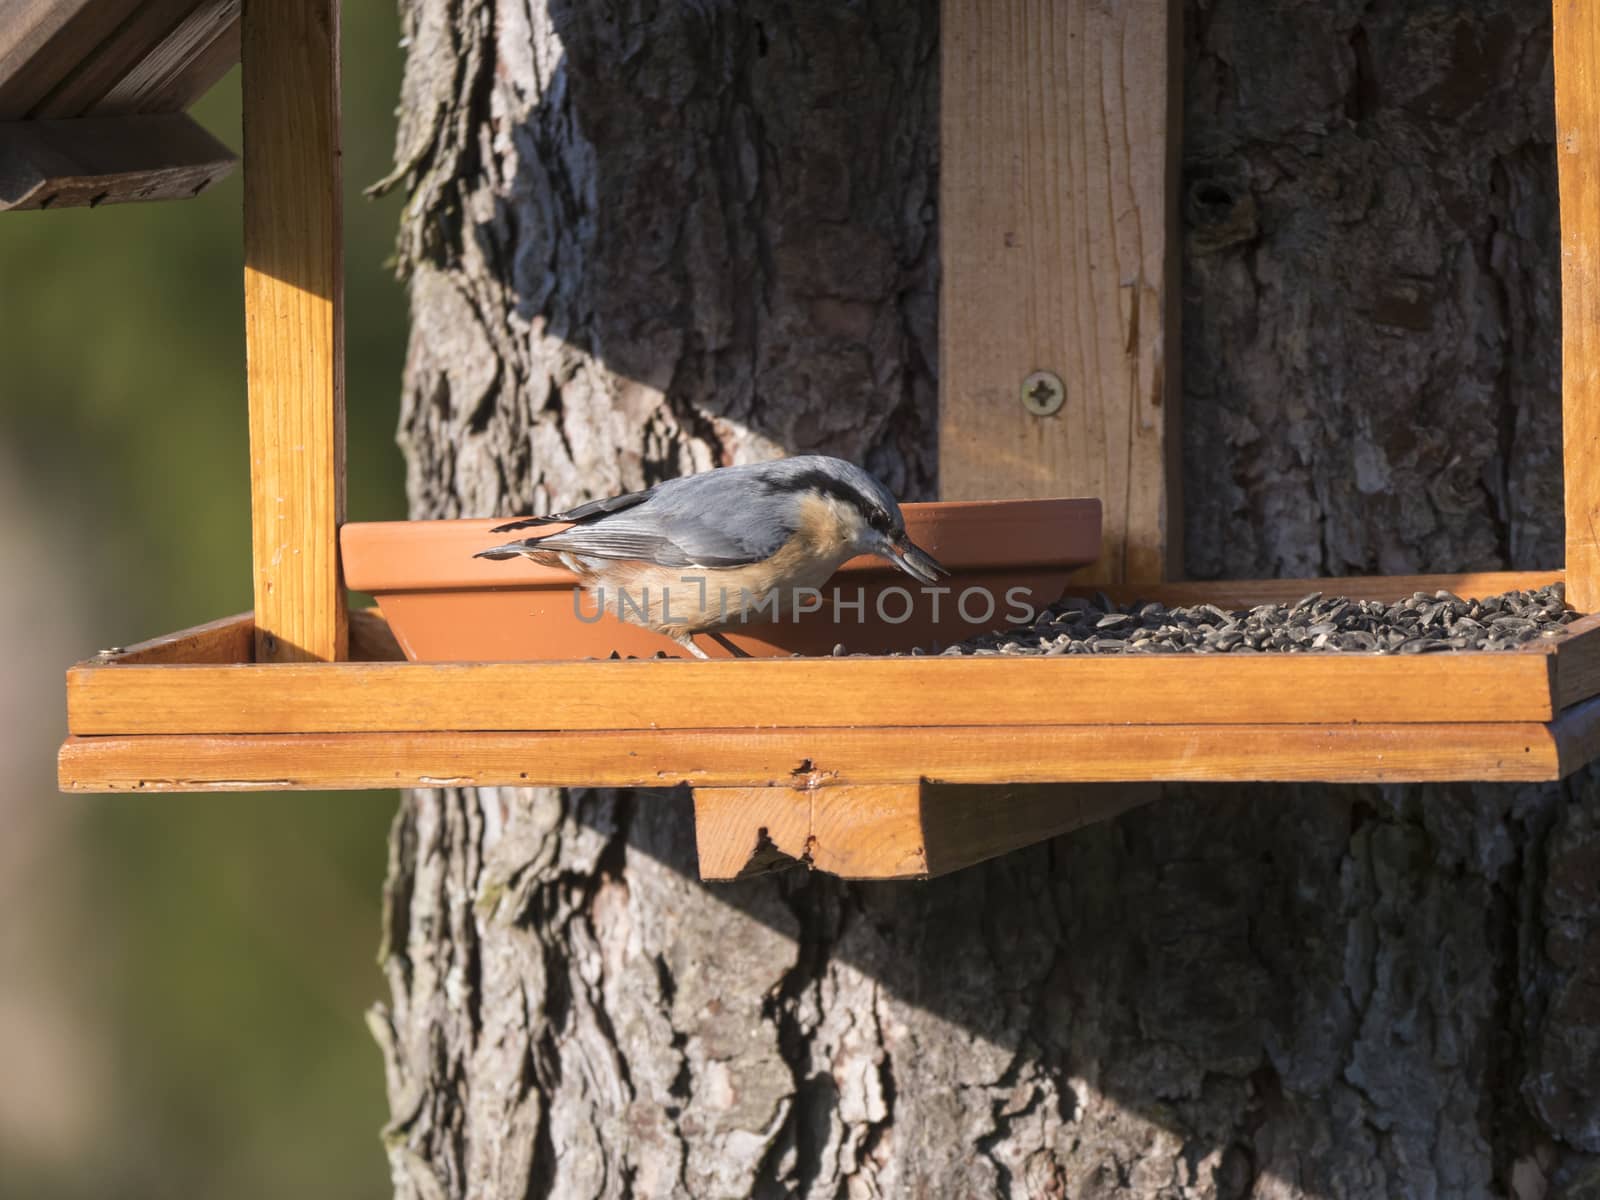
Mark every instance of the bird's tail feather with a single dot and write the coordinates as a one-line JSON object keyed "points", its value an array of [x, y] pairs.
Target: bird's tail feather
{"points": [[509, 550], [593, 510], [527, 548], [526, 523]]}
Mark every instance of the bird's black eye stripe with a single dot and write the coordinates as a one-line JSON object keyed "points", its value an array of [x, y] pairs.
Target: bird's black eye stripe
{"points": [[822, 482], [819, 481]]}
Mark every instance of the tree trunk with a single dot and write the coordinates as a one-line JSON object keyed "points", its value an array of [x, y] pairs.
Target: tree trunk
{"points": [[648, 240]]}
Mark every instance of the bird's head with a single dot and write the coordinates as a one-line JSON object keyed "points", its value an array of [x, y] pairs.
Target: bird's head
{"points": [[866, 517]]}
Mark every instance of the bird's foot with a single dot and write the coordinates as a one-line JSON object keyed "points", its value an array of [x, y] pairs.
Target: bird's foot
{"points": [[728, 646], [687, 642]]}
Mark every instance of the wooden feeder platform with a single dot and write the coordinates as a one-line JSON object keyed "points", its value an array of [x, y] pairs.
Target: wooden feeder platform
{"points": [[844, 763], [1059, 225]]}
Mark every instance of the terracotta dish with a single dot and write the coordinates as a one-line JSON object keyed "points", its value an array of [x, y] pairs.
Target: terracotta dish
{"points": [[444, 605]]}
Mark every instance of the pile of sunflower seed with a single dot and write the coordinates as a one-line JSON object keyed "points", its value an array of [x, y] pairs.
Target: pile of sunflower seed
{"points": [[1314, 624]]}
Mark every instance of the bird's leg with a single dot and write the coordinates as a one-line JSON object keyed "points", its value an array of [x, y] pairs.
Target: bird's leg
{"points": [[687, 642], [727, 645]]}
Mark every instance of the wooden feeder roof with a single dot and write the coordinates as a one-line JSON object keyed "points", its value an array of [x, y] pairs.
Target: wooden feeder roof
{"points": [[92, 99], [865, 767]]}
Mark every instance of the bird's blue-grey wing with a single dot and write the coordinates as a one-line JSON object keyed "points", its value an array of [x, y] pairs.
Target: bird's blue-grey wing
{"points": [[699, 521], [676, 542]]}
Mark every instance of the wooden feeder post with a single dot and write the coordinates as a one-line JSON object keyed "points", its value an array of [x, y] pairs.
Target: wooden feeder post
{"points": [[1058, 348], [294, 326], [1577, 70]]}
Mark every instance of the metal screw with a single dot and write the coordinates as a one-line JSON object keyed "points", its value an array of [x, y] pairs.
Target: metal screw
{"points": [[111, 652], [1043, 393]]}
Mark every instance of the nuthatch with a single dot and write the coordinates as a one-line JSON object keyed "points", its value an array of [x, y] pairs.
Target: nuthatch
{"points": [[732, 545]]}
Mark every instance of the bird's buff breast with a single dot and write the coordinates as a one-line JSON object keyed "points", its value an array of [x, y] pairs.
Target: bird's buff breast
{"points": [[681, 600]]}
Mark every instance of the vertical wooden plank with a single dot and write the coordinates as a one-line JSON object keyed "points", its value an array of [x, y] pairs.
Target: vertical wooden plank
{"points": [[294, 325], [1577, 70], [1058, 214]]}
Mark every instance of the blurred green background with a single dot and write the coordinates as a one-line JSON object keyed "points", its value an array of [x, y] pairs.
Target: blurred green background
{"points": [[182, 978]]}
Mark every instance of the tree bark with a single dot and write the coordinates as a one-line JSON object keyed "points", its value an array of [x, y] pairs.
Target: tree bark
{"points": [[643, 241]]}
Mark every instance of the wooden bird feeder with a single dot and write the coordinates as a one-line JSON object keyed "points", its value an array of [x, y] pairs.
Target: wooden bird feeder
{"points": [[1058, 377]]}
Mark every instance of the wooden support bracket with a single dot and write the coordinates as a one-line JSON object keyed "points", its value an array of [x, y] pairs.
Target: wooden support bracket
{"points": [[294, 326], [890, 831], [107, 160]]}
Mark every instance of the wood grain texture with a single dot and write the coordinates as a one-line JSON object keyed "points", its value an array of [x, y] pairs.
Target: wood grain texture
{"points": [[1577, 662], [187, 60], [1577, 73], [872, 831], [744, 831], [755, 693], [228, 640], [294, 326], [42, 41], [160, 85], [122, 48], [69, 58], [107, 160], [1059, 132], [888, 831], [1509, 751], [232, 640]]}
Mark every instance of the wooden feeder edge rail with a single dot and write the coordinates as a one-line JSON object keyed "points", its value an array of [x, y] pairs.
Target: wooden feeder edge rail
{"points": [[861, 768]]}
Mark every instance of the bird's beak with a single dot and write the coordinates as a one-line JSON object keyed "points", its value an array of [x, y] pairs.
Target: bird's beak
{"points": [[913, 560]]}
